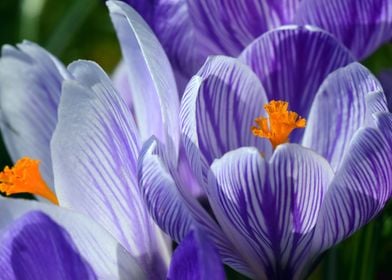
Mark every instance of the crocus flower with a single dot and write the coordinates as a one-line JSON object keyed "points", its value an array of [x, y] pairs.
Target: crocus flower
{"points": [[74, 122], [61, 244], [191, 30], [321, 169]]}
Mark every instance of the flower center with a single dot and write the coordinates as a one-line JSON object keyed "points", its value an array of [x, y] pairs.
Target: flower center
{"points": [[279, 123], [25, 177]]}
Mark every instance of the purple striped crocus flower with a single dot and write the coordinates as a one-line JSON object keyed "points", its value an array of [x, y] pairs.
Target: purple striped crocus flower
{"points": [[75, 123], [191, 30], [279, 201], [55, 243]]}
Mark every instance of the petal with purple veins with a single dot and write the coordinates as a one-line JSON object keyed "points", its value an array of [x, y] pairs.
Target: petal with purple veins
{"points": [[361, 25], [228, 26], [292, 62], [151, 78], [269, 209], [218, 111], [386, 80], [345, 102], [359, 190], [196, 258], [95, 169], [175, 30], [30, 87], [160, 193], [172, 206], [82, 244], [384, 124], [35, 247]]}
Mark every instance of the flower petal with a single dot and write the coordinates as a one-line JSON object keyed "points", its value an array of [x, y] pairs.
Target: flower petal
{"points": [[361, 25], [151, 78], [160, 192], [228, 26], [339, 109], [30, 86], [375, 103], [386, 80], [106, 257], [173, 208], [121, 83], [218, 111], [24, 254], [146, 8], [95, 169], [269, 209], [360, 189], [196, 258], [186, 174], [384, 124], [292, 62], [175, 30]]}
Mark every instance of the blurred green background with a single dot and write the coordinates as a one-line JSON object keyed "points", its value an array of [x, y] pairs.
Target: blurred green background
{"points": [[81, 29]]}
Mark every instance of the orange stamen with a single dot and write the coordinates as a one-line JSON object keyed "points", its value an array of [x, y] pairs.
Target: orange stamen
{"points": [[279, 124], [25, 177]]}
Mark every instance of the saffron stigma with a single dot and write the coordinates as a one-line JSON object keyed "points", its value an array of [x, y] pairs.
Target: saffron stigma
{"points": [[279, 123], [25, 177]]}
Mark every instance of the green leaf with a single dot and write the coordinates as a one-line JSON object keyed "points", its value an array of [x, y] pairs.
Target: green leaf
{"points": [[69, 24]]}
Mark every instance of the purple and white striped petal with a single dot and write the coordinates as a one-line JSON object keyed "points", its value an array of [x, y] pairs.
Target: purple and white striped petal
{"points": [[359, 190], [228, 26], [341, 106], [376, 102], [95, 169], [175, 30], [384, 124], [386, 81], [151, 78], [104, 254], [292, 62], [30, 87], [35, 247], [362, 25], [196, 259], [172, 206], [269, 209], [160, 192], [218, 111]]}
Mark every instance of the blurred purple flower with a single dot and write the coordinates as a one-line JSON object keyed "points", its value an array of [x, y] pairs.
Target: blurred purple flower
{"points": [[191, 30], [275, 212]]}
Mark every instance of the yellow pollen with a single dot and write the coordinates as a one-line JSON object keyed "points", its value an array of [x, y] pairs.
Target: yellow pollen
{"points": [[279, 123], [25, 177]]}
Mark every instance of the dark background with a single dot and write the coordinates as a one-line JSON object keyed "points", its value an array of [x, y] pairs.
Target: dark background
{"points": [[74, 29]]}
